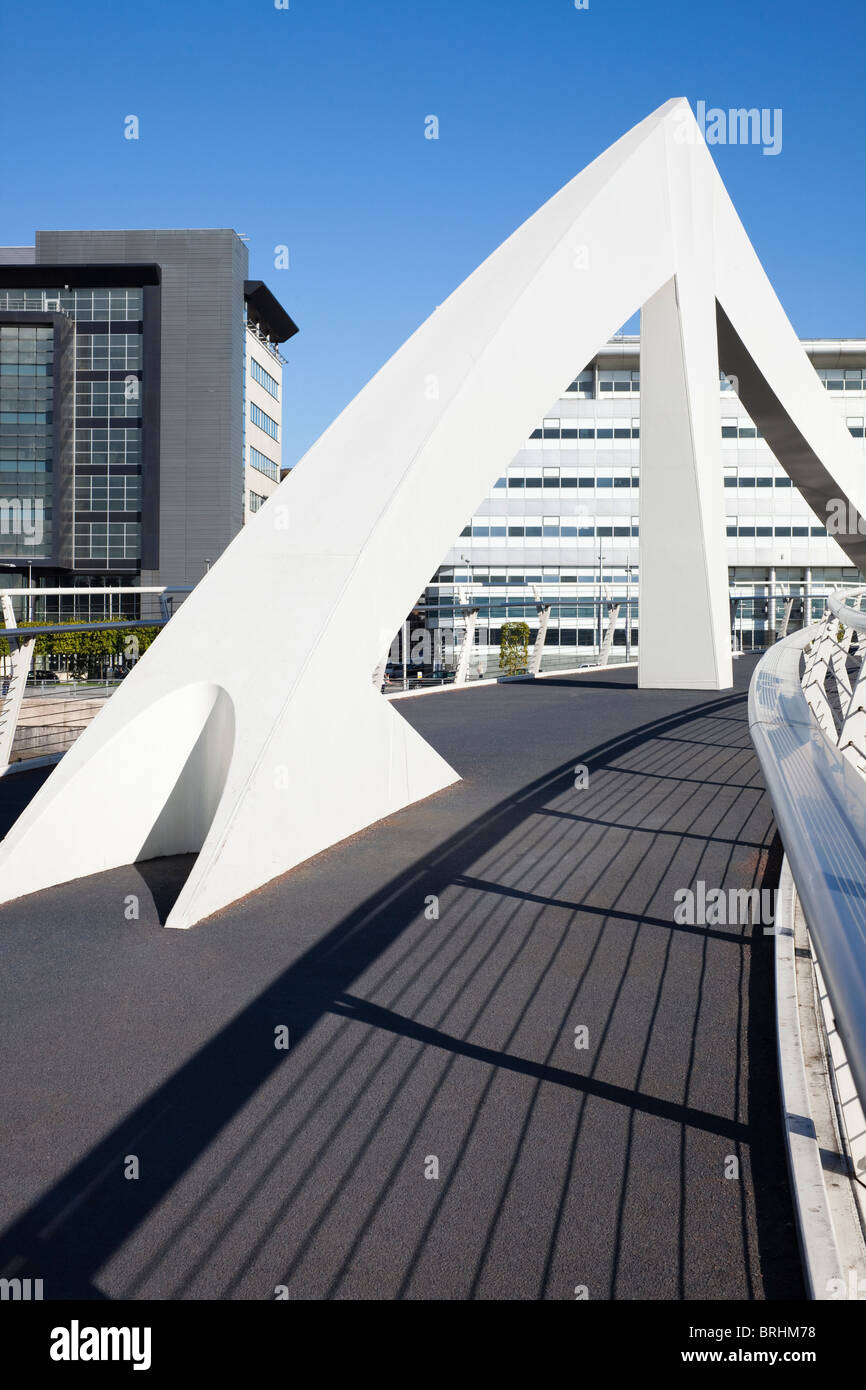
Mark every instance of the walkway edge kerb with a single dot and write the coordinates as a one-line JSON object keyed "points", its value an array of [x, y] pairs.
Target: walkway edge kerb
{"points": [[819, 801], [509, 680], [818, 1245]]}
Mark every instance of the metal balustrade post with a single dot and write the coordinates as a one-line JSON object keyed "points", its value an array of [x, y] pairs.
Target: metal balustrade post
{"points": [[21, 651], [817, 790], [734, 601], [22, 641], [471, 617], [786, 618], [839, 662], [613, 617], [814, 676], [541, 637], [852, 736]]}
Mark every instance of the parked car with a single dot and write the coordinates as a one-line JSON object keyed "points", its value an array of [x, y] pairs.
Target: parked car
{"points": [[42, 678]]}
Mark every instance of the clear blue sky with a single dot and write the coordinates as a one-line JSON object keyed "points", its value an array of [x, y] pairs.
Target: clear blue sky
{"points": [[306, 127]]}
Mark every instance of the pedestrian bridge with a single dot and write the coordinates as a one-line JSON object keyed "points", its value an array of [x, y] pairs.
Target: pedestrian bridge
{"points": [[478, 1011], [469, 1053]]}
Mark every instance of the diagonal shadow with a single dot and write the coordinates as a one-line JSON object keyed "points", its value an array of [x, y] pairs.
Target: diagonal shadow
{"points": [[362, 1011], [89, 1213]]}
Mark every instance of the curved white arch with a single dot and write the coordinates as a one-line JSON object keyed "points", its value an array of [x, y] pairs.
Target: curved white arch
{"points": [[347, 543]]}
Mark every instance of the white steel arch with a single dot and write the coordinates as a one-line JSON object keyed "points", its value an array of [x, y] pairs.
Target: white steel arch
{"points": [[307, 751]]}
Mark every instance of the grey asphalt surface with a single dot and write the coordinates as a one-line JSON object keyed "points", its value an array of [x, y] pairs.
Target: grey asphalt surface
{"points": [[414, 1037]]}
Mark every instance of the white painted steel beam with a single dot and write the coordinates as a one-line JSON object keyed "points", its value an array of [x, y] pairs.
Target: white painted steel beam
{"points": [[612, 620], [258, 764], [786, 618], [471, 623], [540, 639]]}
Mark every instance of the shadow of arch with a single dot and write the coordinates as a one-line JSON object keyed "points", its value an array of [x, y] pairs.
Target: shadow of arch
{"points": [[73, 1228]]}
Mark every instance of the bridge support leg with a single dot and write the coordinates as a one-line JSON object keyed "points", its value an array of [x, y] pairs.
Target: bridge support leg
{"points": [[466, 649], [684, 622], [786, 618], [541, 636], [612, 619]]}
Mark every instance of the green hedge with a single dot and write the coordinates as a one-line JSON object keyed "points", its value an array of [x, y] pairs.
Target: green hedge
{"points": [[83, 649]]}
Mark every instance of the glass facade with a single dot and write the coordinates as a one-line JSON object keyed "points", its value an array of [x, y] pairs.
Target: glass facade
{"points": [[264, 465], [26, 441], [264, 422], [258, 465], [106, 523], [270, 383], [565, 508]]}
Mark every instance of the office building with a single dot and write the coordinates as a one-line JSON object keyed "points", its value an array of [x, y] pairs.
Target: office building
{"points": [[140, 404], [562, 520]]}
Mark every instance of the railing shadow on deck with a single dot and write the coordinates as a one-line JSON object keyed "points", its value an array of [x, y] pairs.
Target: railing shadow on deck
{"points": [[85, 1218]]}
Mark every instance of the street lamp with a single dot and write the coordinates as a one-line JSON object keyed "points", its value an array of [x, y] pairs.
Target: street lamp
{"points": [[470, 566], [628, 570], [600, 594]]}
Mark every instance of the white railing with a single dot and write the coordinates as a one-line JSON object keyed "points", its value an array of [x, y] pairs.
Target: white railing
{"points": [[22, 680], [807, 719]]}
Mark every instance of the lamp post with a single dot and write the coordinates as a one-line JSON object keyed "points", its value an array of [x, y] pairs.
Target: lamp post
{"points": [[469, 565], [628, 570], [600, 594]]}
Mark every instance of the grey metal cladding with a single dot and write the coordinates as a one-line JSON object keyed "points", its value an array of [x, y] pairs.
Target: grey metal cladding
{"points": [[201, 380]]}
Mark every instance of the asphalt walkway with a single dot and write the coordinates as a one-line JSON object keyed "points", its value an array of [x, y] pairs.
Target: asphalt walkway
{"points": [[647, 1163]]}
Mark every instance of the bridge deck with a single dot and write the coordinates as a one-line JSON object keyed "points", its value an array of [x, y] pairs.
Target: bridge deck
{"points": [[413, 1037]]}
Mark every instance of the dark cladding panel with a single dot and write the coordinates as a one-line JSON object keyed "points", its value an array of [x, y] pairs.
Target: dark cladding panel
{"points": [[200, 501]]}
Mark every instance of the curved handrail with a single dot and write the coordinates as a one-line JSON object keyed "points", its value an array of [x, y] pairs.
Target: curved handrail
{"points": [[851, 617], [819, 800]]}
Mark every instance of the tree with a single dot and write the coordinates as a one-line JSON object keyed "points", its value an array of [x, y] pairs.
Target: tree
{"points": [[514, 648], [86, 653]]}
